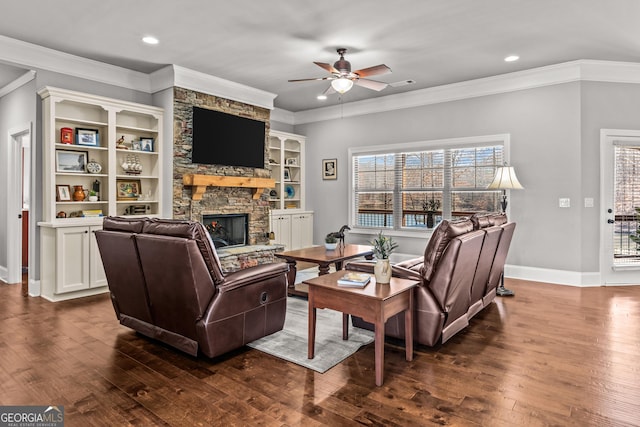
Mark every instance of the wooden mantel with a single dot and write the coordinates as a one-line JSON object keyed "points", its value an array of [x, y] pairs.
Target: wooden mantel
{"points": [[199, 183]]}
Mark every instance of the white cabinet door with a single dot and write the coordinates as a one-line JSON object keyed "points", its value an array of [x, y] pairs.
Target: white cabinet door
{"points": [[72, 259], [281, 227], [301, 230], [97, 276]]}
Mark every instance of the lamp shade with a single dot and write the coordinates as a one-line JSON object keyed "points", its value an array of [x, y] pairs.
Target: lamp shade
{"points": [[505, 179], [342, 84]]}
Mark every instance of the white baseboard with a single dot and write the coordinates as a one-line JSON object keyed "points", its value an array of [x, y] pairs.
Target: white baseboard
{"points": [[34, 288], [4, 274], [558, 277]]}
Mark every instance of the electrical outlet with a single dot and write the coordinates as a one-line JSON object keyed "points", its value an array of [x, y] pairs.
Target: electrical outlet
{"points": [[588, 202], [565, 202]]}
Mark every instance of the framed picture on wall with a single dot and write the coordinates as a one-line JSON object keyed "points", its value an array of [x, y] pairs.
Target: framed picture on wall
{"points": [[330, 169]]}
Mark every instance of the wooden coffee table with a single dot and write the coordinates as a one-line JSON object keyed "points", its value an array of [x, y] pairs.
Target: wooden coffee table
{"points": [[324, 258], [375, 303]]}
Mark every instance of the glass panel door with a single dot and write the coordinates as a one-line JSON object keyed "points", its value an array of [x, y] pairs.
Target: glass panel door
{"points": [[620, 196]]}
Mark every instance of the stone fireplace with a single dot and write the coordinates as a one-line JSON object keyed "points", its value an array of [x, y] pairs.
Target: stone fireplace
{"points": [[222, 196], [217, 199]]}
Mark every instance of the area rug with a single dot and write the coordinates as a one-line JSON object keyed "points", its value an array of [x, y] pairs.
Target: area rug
{"points": [[291, 342]]}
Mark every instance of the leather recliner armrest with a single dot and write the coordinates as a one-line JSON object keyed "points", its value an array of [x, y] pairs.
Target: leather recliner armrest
{"points": [[412, 263], [253, 274], [405, 273]]}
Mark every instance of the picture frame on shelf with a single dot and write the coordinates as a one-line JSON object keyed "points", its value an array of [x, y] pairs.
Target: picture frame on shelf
{"points": [[63, 193], [146, 144], [136, 145], [287, 174], [68, 161], [127, 189], [88, 137], [330, 169], [292, 161]]}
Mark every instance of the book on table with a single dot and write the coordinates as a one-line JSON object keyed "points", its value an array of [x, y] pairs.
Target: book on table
{"points": [[354, 280]]}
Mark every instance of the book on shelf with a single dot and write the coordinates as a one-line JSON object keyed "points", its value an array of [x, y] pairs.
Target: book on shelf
{"points": [[354, 280], [92, 212]]}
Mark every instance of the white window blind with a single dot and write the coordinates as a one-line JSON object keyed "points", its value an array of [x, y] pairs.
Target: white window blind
{"points": [[396, 188], [626, 200]]}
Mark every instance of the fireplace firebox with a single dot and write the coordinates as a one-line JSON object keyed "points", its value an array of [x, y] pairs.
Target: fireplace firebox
{"points": [[227, 229]]}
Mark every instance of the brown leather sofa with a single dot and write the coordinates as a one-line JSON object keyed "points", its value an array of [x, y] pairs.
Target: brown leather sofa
{"points": [[166, 282], [459, 273]]}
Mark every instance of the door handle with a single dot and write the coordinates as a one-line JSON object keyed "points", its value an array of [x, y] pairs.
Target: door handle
{"points": [[19, 216], [610, 221]]}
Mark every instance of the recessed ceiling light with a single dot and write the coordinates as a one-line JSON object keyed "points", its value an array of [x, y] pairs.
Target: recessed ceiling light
{"points": [[511, 58], [150, 40], [322, 97]]}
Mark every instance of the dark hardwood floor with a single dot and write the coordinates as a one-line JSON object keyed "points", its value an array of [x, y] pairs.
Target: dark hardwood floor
{"points": [[550, 356]]}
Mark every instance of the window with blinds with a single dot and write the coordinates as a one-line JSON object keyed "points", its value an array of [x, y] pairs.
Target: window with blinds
{"points": [[400, 189], [626, 200]]}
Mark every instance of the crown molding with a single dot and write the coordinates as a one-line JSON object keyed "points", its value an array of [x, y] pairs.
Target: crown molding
{"points": [[175, 75], [581, 70], [34, 57], [31, 56], [28, 55], [282, 116], [23, 79]]}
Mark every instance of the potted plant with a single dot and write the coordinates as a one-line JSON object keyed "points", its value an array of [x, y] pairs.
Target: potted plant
{"points": [[382, 247], [430, 207], [330, 242], [93, 196]]}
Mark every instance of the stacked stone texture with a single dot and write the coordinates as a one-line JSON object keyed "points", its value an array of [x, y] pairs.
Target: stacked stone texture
{"points": [[216, 200]]}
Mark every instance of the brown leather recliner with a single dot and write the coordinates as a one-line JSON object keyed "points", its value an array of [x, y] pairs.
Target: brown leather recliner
{"points": [[458, 275], [166, 282]]}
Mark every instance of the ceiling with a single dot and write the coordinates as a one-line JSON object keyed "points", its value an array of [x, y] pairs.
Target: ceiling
{"points": [[263, 44]]}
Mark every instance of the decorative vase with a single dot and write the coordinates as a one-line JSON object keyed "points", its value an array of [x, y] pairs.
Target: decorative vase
{"points": [[430, 221], [78, 193], [331, 246], [382, 271]]}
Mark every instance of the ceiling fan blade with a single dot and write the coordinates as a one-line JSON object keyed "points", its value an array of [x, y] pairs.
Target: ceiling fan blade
{"points": [[308, 80], [373, 71], [371, 84], [330, 68]]}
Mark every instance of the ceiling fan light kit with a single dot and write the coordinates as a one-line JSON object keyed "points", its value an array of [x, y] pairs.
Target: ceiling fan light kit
{"points": [[342, 78], [342, 84]]}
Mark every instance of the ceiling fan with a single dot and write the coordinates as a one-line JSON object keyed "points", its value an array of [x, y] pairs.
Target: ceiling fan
{"points": [[342, 78]]}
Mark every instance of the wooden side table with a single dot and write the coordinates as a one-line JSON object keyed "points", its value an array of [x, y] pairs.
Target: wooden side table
{"points": [[323, 257], [375, 303]]}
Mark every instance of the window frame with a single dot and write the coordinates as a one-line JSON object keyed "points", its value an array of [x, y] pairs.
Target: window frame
{"points": [[398, 148]]}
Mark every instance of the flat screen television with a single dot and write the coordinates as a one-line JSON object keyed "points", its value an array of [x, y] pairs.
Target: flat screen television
{"points": [[224, 139]]}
